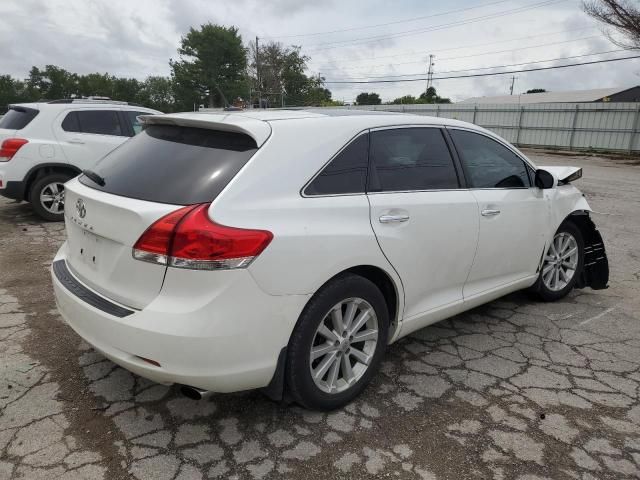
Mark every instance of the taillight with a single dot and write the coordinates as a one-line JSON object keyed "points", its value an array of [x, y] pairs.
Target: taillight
{"points": [[10, 147], [187, 238]]}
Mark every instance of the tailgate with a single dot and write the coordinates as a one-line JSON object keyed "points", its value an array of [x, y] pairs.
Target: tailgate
{"points": [[101, 231]]}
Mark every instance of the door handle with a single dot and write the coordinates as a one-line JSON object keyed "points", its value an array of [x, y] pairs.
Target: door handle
{"points": [[393, 218], [490, 213], [77, 141]]}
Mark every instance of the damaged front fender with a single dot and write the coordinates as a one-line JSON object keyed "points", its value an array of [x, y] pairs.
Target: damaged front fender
{"points": [[595, 270]]}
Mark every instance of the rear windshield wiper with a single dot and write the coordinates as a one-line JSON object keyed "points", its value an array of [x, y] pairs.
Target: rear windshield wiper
{"points": [[93, 176]]}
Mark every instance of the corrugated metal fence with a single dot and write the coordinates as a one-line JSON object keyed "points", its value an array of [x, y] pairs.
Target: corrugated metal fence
{"points": [[572, 126]]}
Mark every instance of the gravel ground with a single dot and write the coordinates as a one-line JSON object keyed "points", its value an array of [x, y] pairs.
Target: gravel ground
{"points": [[514, 389]]}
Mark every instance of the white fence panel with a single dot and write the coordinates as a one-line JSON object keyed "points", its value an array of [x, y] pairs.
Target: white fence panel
{"points": [[573, 126]]}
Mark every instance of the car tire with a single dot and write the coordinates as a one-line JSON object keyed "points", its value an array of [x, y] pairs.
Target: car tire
{"points": [[358, 361], [45, 187], [555, 268]]}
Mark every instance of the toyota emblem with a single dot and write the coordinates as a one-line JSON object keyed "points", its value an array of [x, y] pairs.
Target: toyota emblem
{"points": [[80, 208]]}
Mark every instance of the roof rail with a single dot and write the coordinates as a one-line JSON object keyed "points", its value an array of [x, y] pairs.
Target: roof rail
{"points": [[98, 100]]}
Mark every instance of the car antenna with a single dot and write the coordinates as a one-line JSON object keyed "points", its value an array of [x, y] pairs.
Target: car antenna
{"points": [[227, 107]]}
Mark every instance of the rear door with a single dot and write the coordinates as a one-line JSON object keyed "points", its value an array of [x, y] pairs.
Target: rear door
{"points": [[158, 171], [513, 214], [87, 135], [425, 223]]}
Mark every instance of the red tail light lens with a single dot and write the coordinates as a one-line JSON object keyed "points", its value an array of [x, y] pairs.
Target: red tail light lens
{"points": [[187, 238], [153, 246], [10, 147]]}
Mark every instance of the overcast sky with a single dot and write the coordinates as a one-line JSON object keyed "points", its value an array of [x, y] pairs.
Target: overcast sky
{"points": [[137, 38]]}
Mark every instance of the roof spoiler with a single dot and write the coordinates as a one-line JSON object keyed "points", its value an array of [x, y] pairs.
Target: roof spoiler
{"points": [[256, 129]]}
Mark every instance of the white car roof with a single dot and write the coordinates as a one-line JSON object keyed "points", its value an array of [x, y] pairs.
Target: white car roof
{"points": [[258, 123]]}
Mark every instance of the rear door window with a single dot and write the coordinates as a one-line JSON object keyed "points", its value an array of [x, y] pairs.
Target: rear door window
{"points": [[346, 173], [100, 122], [405, 159], [18, 117], [174, 164]]}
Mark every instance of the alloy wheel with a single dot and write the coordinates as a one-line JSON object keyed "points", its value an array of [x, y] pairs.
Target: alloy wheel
{"points": [[52, 198], [560, 262], [343, 345]]}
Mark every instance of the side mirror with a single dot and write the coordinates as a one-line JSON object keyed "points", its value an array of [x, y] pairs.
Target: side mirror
{"points": [[544, 179]]}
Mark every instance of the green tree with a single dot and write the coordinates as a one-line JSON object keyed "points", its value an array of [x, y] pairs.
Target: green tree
{"points": [[536, 90], [95, 84], [365, 98], [158, 93], [11, 91], [126, 89], [278, 75], [431, 96], [405, 100], [212, 60], [51, 83]]}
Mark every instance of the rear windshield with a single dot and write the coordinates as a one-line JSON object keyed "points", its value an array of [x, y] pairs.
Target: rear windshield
{"points": [[172, 164], [17, 118]]}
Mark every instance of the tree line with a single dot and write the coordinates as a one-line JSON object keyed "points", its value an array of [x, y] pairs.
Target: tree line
{"points": [[214, 68]]}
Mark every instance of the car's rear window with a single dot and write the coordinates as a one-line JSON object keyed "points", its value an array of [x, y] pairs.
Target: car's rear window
{"points": [[17, 118], [173, 164]]}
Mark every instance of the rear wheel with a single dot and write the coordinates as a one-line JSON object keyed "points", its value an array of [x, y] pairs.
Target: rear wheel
{"points": [[338, 344], [47, 196], [562, 264]]}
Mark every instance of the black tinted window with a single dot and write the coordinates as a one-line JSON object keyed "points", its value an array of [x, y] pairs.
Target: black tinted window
{"points": [[171, 164], [411, 159], [101, 122], [487, 163], [347, 172], [70, 123], [17, 118]]}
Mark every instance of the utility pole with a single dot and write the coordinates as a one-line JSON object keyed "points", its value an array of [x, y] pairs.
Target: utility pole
{"points": [[258, 71], [430, 72], [513, 81]]}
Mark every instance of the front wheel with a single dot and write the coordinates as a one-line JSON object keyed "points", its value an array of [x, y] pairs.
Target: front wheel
{"points": [[562, 264], [47, 196], [338, 343]]}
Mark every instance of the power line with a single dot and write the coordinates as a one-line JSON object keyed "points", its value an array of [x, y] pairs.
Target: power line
{"points": [[479, 54], [487, 74], [443, 26], [406, 54], [496, 66], [414, 19]]}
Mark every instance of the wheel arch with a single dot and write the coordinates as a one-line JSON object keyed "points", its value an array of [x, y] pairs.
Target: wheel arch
{"points": [[43, 169], [389, 289], [392, 292]]}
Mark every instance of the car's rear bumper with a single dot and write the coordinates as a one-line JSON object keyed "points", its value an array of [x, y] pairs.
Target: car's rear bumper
{"points": [[219, 339]]}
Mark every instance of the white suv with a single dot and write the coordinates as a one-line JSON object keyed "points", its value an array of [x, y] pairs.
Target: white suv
{"points": [[43, 145], [285, 249]]}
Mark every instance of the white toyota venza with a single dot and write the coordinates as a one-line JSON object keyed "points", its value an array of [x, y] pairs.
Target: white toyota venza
{"points": [[284, 250]]}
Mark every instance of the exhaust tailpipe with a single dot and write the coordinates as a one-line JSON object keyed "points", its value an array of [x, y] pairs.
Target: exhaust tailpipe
{"points": [[195, 393]]}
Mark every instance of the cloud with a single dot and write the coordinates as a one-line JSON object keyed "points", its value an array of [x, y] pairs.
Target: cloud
{"points": [[137, 39]]}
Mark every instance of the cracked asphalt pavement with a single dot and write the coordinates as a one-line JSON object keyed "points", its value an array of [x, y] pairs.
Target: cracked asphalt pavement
{"points": [[515, 389]]}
